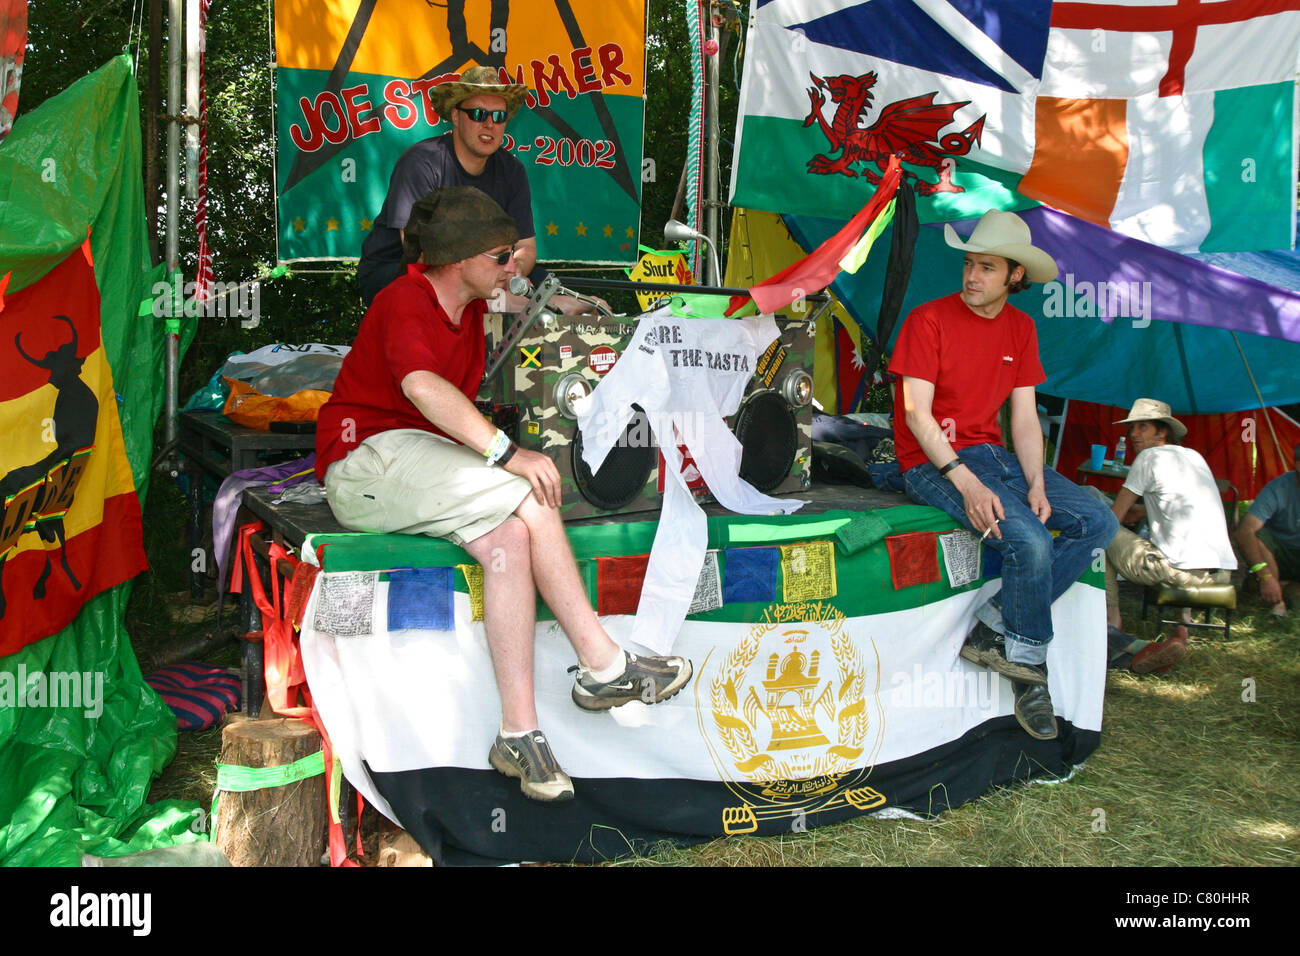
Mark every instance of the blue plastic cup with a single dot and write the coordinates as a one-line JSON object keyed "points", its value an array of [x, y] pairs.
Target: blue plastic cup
{"points": [[1098, 457]]}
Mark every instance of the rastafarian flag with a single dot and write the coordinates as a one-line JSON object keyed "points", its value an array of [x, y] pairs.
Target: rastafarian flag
{"points": [[352, 94], [70, 526]]}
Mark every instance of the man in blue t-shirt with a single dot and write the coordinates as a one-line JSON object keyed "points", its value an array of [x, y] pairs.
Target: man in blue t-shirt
{"points": [[470, 155], [1269, 538], [479, 106]]}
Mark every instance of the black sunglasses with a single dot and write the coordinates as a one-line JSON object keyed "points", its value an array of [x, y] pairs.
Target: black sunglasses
{"points": [[479, 115], [501, 258]]}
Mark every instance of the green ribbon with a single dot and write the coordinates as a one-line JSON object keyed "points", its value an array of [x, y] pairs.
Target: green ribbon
{"points": [[239, 779]]}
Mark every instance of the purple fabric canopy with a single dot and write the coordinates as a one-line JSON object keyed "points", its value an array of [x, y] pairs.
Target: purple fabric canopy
{"points": [[1182, 289]]}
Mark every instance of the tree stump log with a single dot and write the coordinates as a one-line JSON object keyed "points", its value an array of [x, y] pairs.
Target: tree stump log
{"points": [[279, 826]]}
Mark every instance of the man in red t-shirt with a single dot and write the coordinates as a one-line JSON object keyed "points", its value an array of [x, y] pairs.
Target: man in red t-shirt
{"points": [[959, 358], [401, 448]]}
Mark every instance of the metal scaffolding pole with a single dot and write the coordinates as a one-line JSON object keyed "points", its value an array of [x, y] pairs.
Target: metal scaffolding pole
{"points": [[712, 77], [175, 109]]}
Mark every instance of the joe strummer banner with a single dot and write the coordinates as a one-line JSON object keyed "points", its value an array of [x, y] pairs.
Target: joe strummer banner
{"points": [[352, 94]]}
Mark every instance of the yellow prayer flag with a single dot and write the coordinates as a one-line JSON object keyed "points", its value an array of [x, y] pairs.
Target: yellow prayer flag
{"points": [[808, 572]]}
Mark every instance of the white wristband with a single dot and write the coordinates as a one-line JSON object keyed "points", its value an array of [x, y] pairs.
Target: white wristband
{"points": [[499, 445]]}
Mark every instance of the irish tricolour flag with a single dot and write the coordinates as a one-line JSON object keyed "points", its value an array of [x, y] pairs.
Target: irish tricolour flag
{"points": [[1172, 121]]}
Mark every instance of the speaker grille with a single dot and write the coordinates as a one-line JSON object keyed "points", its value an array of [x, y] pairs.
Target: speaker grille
{"points": [[625, 471], [769, 435]]}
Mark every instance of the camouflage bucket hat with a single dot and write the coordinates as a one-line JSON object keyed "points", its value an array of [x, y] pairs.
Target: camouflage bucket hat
{"points": [[452, 224], [477, 81]]}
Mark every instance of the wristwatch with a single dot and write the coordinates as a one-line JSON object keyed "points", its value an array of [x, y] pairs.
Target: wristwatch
{"points": [[943, 472]]}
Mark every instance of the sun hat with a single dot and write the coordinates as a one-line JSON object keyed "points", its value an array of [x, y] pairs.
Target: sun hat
{"points": [[1150, 410], [477, 81]]}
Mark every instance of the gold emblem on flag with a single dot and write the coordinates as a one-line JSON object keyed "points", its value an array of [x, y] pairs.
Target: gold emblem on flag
{"points": [[796, 706]]}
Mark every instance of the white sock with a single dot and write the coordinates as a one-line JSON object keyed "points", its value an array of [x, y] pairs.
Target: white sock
{"points": [[613, 670], [515, 734]]}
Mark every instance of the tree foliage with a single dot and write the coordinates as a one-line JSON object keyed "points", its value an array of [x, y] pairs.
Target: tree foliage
{"points": [[71, 38]]}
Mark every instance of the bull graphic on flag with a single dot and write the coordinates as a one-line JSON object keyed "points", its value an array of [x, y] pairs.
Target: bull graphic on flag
{"points": [[69, 515], [36, 497], [909, 127]]}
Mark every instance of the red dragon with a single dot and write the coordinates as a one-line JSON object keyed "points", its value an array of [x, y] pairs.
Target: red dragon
{"points": [[907, 128]]}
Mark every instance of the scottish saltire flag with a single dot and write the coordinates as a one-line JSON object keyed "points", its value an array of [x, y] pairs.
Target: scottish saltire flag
{"points": [[1169, 122]]}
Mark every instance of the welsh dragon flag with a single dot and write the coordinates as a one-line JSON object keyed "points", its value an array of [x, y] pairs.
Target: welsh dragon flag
{"points": [[1170, 122]]}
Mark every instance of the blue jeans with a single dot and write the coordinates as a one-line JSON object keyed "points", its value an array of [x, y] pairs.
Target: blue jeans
{"points": [[1036, 568]]}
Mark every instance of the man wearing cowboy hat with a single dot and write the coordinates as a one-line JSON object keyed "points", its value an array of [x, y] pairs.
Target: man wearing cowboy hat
{"points": [[1269, 537], [402, 449], [1189, 545], [478, 106], [959, 358]]}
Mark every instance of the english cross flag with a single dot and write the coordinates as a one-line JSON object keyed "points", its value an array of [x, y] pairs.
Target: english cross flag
{"points": [[1170, 122]]}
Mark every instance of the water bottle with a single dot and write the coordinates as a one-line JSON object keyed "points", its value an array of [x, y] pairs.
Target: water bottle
{"points": [[1121, 447]]}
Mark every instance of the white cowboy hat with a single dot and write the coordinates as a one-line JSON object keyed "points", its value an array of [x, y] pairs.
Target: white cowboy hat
{"points": [[1150, 410], [477, 81], [1005, 234]]}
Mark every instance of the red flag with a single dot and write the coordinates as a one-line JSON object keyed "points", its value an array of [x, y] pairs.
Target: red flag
{"points": [[913, 558], [13, 47], [849, 366], [70, 518], [818, 269], [618, 583]]}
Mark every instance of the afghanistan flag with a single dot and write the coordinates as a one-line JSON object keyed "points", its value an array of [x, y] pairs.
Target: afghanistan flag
{"points": [[820, 693], [71, 520], [1172, 123], [352, 94]]}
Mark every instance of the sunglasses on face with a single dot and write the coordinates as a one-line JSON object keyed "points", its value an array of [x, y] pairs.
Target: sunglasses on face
{"points": [[501, 258], [480, 115]]}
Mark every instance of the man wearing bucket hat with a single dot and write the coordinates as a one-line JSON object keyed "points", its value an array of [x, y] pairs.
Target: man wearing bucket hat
{"points": [[478, 106], [402, 449], [1269, 537], [1189, 544], [959, 358]]}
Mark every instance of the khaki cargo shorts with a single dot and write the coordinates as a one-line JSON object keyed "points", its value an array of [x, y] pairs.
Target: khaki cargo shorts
{"points": [[408, 481]]}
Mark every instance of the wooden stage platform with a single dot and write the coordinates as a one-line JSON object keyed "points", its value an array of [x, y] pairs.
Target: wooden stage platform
{"points": [[295, 521]]}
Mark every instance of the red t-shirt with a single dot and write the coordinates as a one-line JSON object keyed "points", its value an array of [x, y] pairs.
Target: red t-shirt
{"points": [[405, 331], [973, 362]]}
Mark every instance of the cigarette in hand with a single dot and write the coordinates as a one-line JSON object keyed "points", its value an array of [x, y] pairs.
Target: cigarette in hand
{"points": [[988, 530]]}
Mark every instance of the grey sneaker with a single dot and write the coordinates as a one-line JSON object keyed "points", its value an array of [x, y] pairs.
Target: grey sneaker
{"points": [[530, 759], [647, 679], [988, 648]]}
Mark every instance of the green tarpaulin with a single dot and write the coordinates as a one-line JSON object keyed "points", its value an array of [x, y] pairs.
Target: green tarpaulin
{"points": [[72, 783]]}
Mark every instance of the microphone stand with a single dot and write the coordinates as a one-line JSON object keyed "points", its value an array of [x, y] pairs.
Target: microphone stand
{"points": [[538, 299]]}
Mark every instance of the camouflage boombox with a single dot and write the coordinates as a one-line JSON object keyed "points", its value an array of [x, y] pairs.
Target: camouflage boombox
{"points": [[551, 365]]}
